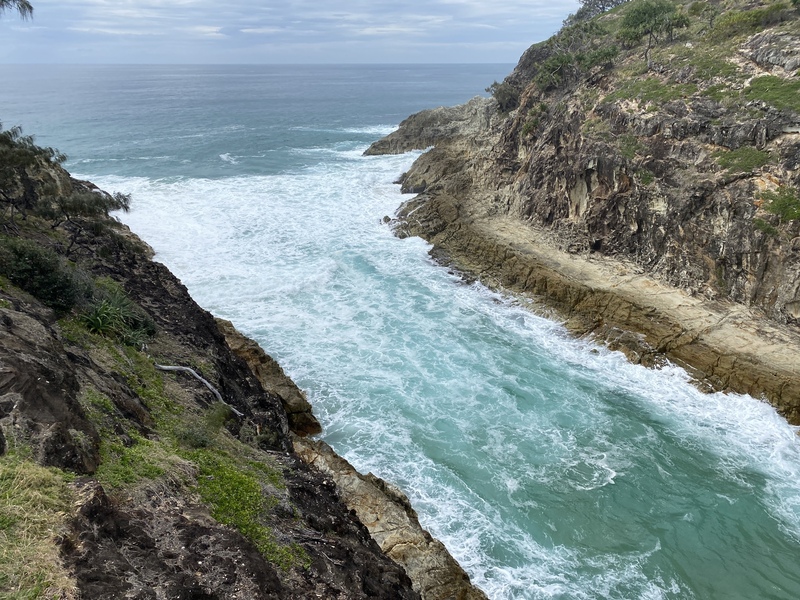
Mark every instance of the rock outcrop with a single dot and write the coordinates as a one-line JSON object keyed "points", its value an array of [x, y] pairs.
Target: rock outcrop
{"points": [[140, 526], [272, 378], [639, 203], [393, 524]]}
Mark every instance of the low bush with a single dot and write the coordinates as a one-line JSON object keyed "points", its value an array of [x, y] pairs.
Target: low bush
{"points": [[112, 314], [742, 160], [783, 202], [505, 94], [42, 273], [734, 23]]}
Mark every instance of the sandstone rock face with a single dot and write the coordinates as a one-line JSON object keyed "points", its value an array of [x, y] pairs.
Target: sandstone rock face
{"points": [[583, 175], [393, 524], [272, 378]]}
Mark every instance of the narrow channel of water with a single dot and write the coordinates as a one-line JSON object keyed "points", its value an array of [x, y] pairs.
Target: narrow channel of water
{"points": [[549, 467]]}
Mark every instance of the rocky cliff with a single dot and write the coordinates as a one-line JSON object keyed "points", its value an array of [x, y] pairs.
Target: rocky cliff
{"points": [[644, 188], [147, 449]]}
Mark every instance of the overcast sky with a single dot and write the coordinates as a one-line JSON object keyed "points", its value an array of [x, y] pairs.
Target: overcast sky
{"points": [[292, 31]]}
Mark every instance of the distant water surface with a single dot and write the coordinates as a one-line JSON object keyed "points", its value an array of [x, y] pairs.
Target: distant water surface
{"points": [[551, 468]]}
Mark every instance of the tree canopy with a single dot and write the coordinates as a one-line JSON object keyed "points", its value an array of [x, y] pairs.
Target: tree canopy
{"points": [[651, 18], [23, 7], [592, 8]]}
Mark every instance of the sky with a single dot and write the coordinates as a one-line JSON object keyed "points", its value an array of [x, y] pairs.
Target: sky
{"points": [[287, 32]]}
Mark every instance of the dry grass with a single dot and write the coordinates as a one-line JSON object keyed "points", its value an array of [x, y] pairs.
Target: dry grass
{"points": [[34, 505]]}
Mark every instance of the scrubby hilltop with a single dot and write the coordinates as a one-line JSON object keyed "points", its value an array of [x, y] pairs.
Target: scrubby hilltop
{"points": [[639, 172]]}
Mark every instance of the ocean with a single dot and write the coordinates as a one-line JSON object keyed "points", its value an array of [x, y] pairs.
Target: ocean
{"points": [[549, 466]]}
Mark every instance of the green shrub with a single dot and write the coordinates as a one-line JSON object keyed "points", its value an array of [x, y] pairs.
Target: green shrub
{"points": [[42, 273], [784, 202], [602, 56], [554, 70], [114, 315], [505, 94], [734, 23], [742, 160], [780, 93]]}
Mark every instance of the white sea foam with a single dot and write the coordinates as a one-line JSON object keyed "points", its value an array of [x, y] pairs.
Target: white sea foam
{"points": [[373, 130], [551, 468]]}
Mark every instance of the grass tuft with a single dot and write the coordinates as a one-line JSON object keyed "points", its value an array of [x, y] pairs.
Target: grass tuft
{"points": [[34, 504], [236, 496], [651, 90], [780, 93]]}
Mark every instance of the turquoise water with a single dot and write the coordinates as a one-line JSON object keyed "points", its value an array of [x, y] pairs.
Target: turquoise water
{"points": [[551, 468]]}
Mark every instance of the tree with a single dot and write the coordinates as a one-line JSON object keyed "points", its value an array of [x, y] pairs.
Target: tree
{"points": [[23, 7], [705, 10], [651, 18], [81, 213], [592, 8], [505, 94], [18, 155]]}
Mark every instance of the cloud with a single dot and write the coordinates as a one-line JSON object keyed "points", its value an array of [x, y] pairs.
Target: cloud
{"points": [[207, 31], [294, 30]]}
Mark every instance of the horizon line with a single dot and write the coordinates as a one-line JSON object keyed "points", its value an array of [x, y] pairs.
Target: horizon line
{"points": [[242, 64]]}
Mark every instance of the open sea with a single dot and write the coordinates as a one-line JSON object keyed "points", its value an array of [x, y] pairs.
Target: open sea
{"points": [[550, 467]]}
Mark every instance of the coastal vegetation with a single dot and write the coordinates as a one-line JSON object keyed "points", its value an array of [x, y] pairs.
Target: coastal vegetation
{"points": [[35, 502]]}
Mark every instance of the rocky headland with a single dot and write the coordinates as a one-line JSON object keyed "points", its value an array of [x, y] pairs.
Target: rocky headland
{"points": [[646, 191], [151, 451]]}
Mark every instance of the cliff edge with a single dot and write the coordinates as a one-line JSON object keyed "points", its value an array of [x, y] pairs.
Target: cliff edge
{"points": [[645, 188], [146, 448]]}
